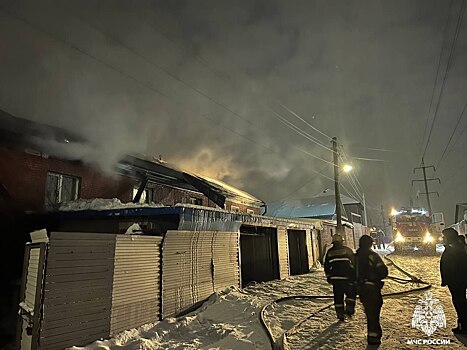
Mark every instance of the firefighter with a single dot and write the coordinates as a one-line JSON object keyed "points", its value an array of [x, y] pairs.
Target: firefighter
{"points": [[462, 241], [380, 239], [340, 272], [370, 270], [452, 263]]}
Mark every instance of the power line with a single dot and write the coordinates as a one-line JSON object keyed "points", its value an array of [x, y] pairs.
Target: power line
{"points": [[454, 173], [294, 127], [170, 74], [446, 73], [353, 184], [299, 131], [200, 92], [369, 204], [352, 180], [344, 154], [302, 186], [281, 118], [191, 50], [205, 64], [437, 74], [349, 194], [287, 122], [146, 85], [303, 120], [379, 149], [426, 180], [370, 159], [354, 187], [457, 139], [108, 65], [452, 135]]}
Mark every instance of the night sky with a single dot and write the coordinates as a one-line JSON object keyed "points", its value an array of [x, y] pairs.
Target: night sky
{"points": [[210, 86]]}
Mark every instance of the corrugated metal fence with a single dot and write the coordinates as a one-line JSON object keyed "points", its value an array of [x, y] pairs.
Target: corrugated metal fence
{"points": [[283, 247], [94, 286], [77, 298], [136, 282], [195, 264]]}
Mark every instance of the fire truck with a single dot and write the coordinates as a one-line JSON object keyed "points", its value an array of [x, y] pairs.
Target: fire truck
{"points": [[414, 231]]}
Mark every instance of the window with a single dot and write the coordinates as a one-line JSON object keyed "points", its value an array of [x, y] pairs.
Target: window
{"points": [[59, 189], [250, 211], [146, 196], [234, 209], [195, 201], [355, 218]]}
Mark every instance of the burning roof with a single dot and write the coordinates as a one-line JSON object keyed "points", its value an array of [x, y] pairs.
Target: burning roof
{"points": [[21, 133]]}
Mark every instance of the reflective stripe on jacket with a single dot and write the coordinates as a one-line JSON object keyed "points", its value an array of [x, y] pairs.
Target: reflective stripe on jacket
{"points": [[370, 267], [339, 263]]}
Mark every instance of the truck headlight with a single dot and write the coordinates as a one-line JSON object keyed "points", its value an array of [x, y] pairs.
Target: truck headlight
{"points": [[428, 238], [399, 237]]}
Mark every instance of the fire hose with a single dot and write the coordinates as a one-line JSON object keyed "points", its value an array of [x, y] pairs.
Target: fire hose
{"points": [[280, 343]]}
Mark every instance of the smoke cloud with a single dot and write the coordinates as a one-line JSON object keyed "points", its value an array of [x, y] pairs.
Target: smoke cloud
{"points": [[197, 81]]}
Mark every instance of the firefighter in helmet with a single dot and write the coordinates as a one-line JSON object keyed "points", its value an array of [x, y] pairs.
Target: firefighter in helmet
{"points": [[340, 272], [370, 270], [452, 263]]}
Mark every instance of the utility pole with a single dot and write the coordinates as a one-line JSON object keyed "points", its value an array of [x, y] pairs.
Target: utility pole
{"points": [[336, 186], [383, 218], [425, 180], [364, 210]]}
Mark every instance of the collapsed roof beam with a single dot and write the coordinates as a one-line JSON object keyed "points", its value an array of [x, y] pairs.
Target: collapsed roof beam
{"points": [[205, 189], [142, 186]]}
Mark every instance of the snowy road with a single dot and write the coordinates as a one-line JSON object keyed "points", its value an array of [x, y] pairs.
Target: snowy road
{"points": [[396, 316], [230, 320]]}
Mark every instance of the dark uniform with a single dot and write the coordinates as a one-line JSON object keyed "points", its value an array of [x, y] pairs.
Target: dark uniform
{"points": [[452, 263], [380, 240], [370, 270], [340, 272]]}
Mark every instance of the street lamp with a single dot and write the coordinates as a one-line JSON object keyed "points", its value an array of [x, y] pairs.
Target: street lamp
{"points": [[347, 168]]}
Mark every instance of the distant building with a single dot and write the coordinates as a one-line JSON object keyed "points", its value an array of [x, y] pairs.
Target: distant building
{"points": [[322, 206], [321, 211]]}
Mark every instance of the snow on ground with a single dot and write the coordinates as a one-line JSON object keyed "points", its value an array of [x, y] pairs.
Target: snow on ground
{"points": [[134, 229], [230, 319], [396, 316], [102, 204]]}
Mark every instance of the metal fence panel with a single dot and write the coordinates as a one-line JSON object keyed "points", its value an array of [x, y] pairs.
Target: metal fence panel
{"points": [[136, 282], [77, 289], [225, 260], [282, 244]]}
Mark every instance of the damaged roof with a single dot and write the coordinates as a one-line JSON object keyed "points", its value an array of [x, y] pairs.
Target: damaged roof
{"points": [[160, 173], [19, 133]]}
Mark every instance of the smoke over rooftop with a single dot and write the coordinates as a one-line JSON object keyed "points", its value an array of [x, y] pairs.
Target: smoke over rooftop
{"points": [[199, 82]]}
